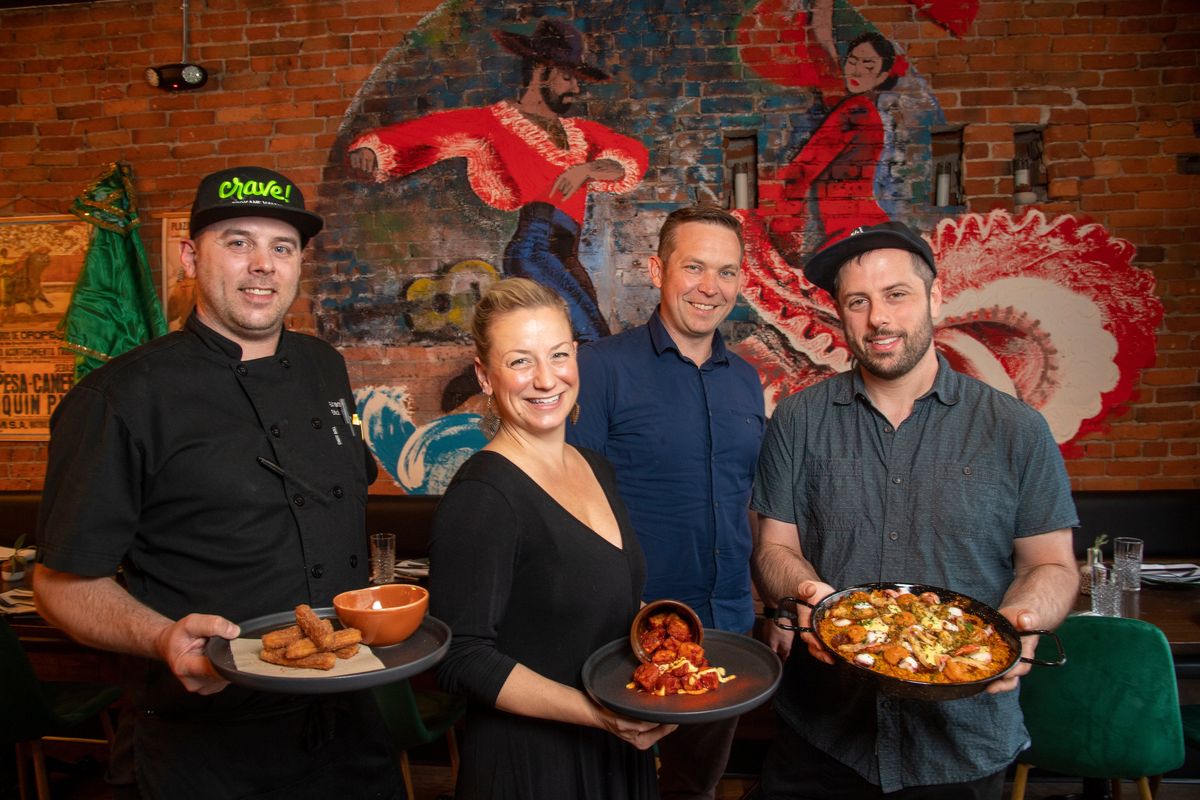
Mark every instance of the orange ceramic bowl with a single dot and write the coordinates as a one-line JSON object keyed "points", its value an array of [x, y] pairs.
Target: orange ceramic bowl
{"points": [[402, 606], [642, 621]]}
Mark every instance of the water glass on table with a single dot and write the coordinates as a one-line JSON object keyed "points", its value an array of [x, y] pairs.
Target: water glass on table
{"points": [[383, 557], [1127, 561], [1106, 592]]}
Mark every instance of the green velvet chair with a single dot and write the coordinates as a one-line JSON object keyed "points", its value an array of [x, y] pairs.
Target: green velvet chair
{"points": [[32, 711], [1112, 712], [417, 717]]}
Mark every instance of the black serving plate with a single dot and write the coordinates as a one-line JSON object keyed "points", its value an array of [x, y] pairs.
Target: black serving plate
{"points": [[608, 672], [424, 649]]}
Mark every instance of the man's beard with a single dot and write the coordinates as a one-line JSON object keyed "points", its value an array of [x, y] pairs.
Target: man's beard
{"points": [[557, 102], [894, 365]]}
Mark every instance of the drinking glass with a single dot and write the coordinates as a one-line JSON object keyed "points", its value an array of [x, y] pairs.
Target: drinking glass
{"points": [[1106, 592], [383, 557], [1127, 561]]}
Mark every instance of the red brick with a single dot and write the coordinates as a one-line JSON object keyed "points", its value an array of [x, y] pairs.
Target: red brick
{"points": [[1139, 183], [1099, 115], [1107, 97], [1128, 449], [1187, 467], [1132, 147], [1094, 203]]}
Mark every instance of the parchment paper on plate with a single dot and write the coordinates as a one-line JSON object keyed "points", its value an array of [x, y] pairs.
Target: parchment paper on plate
{"points": [[245, 656]]}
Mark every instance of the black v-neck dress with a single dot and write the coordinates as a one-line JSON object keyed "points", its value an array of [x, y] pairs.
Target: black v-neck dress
{"points": [[520, 580]]}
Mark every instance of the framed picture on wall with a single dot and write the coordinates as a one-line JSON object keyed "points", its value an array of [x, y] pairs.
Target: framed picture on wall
{"points": [[178, 291], [40, 259]]}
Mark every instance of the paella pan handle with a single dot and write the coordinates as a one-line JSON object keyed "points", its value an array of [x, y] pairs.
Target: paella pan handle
{"points": [[786, 619], [1062, 656]]}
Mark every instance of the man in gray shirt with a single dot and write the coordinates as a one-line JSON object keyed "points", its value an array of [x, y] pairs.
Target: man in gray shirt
{"points": [[903, 470]]}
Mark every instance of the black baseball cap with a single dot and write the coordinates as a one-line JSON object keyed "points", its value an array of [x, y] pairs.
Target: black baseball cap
{"points": [[252, 192], [823, 266]]}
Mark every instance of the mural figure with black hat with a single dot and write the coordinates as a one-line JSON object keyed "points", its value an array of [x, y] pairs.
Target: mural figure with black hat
{"points": [[526, 156]]}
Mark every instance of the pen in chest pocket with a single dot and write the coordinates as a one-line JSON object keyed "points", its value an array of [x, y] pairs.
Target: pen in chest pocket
{"points": [[351, 417]]}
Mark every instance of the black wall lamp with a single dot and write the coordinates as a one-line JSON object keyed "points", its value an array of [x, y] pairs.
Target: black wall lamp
{"points": [[176, 77], [181, 76]]}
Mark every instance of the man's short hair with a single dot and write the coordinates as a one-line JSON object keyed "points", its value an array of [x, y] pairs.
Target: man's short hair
{"points": [[708, 214]]}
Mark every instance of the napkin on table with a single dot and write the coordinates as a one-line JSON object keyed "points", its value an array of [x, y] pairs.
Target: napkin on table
{"points": [[17, 601]]}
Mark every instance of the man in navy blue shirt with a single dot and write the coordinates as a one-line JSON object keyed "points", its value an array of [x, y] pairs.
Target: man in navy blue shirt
{"points": [[681, 418]]}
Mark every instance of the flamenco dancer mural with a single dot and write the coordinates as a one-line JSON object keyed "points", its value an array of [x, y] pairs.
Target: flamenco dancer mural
{"points": [[439, 188], [1051, 312]]}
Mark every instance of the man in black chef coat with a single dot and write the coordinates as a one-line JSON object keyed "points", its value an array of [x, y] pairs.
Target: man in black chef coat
{"points": [[213, 476]]}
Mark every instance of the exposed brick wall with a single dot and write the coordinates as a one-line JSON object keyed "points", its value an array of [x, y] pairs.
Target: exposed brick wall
{"points": [[1113, 85]]}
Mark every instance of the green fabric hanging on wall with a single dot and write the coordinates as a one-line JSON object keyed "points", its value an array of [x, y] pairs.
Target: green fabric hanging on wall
{"points": [[114, 306]]}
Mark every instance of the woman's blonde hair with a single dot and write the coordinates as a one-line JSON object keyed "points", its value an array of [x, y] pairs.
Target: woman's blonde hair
{"points": [[506, 296]]}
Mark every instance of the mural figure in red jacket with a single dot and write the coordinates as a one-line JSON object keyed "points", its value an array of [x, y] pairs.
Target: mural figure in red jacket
{"points": [[526, 156]]}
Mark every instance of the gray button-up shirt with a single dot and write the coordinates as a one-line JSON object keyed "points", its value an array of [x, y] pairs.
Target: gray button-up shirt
{"points": [[938, 500]]}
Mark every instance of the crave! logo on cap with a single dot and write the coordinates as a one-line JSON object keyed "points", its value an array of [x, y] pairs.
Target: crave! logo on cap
{"points": [[252, 192]]}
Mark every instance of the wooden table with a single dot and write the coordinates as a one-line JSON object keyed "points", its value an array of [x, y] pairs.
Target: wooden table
{"points": [[56, 656], [1174, 610]]}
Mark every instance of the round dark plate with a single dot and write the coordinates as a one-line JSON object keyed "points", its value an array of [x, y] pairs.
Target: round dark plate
{"points": [[609, 670], [417, 653]]}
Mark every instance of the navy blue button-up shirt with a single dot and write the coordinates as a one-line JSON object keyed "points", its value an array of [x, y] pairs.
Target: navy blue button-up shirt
{"points": [[684, 441]]}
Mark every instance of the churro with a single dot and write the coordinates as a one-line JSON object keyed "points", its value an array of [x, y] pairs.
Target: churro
{"points": [[349, 651], [315, 628], [314, 661], [311, 643], [274, 640], [306, 647]]}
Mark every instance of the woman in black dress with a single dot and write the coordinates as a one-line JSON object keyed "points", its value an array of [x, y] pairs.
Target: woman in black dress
{"points": [[534, 565]]}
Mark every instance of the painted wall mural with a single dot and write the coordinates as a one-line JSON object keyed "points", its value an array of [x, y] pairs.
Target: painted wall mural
{"points": [[510, 139], [1050, 311], [528, 157]]}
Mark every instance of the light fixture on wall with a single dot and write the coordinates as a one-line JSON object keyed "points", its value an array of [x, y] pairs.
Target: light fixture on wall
{"points": [[176, 77], [181, 76]]}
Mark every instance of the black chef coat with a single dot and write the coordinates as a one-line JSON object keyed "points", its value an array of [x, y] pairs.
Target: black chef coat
{"points": [[218, 486]]}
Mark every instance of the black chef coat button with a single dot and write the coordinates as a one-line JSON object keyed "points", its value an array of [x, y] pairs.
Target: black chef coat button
{"points": [[338, 492], [285, 362], [298, 499], [275, 431], [241, 369], [353, 560], [316, 423], [318, 570]]}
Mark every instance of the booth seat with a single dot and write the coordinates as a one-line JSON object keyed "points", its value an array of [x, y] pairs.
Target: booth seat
{"points": [[1165, 519]]}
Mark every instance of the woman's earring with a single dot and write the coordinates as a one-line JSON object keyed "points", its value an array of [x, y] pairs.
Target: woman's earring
{"points": [[489, 423], [575, 415]]}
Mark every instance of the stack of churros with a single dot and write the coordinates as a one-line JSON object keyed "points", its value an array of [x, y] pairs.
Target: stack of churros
{"points": [[311, 643]]}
